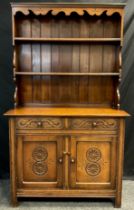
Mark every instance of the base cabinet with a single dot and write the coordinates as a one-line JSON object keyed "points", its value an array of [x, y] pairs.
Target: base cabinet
{"points": [[66, 157]]}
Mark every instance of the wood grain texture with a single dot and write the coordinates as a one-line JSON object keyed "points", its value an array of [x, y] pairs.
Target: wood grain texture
{"points": [[39, 166], [94, 112], [118, 199], [66, 46], [95, 172], [13, 180]]}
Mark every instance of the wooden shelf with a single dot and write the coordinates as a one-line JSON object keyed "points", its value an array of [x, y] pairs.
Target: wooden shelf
{"points": [[67, 73], [49, 111], [28, 39]]}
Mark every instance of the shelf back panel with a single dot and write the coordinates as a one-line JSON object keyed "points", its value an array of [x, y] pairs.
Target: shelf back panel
{"points": [[66, 90], [68, 26], [67, 57]]}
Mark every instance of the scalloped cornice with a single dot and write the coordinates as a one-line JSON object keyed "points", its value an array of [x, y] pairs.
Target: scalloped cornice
{"points": [[67, 11]]}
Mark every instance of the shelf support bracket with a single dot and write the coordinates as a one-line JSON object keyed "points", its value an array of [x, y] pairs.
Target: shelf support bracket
{"points": [[120, 77], [14, 78]]}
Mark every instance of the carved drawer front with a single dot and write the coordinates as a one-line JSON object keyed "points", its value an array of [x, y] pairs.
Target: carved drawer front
{"points": [[93, 123], [40, 123]]}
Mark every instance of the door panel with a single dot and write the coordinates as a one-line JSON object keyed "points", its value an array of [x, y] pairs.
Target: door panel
{"points": [[38, 165], [93, 162]]}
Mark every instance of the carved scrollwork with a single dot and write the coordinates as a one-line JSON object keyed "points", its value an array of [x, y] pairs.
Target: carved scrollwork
{"points": [[47, 123], [93, 154], [89, 123], [53, 123], [93, 169], [67, 11], [40, 168]]}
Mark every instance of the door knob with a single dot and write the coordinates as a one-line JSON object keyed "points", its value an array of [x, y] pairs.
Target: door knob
{"points": [[39, 124], [72, 160], [94, 124], [60, 160]]}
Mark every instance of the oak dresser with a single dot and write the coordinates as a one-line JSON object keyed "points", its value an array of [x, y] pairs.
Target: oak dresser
{"points": [[67, 128]]}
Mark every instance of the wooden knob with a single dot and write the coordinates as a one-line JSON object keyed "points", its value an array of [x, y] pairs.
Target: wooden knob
{"points": [[94, 124], [39, 123], [66, 153], [60, 160], [72, 160]]}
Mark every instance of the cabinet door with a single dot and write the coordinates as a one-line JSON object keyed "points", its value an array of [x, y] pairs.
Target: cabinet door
{"points": [[39, 161], [93, 162]]}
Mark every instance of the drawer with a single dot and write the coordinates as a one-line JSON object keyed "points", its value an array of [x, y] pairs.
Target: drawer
{"points": [[40, 123], [93, 123]]}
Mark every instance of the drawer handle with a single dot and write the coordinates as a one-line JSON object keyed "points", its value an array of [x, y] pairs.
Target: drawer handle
{"points": [[39, 124], [94, 124], [60, 160], [72, 160]]}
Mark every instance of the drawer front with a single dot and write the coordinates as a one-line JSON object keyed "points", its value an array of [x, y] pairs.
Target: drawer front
{"points": [[40, 123], [93, 123]]}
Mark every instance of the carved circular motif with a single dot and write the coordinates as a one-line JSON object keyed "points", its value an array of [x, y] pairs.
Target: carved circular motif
{"points": [[93, 169], [40, 154], [93, 154], [40, 168]]}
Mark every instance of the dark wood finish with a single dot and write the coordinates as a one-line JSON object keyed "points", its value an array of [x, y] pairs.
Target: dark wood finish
{"points": [[66, 45], [13, 181], [67, 129], [26, 39], [68, 73]]}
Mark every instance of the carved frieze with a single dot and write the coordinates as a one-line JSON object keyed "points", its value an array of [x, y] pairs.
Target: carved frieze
{"points": [[67, 11]]}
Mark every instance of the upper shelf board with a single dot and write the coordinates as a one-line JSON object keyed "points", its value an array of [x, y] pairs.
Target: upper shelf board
{"points": [[67, 4], [68, 8], [36, 39]]}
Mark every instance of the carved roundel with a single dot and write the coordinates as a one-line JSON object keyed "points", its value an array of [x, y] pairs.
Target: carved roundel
{"points": [[40, 154], [40, 168], [93, 169], [93, 154]]}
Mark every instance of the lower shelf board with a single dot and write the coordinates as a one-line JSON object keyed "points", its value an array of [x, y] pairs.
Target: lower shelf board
{"points": [[66, 193]]}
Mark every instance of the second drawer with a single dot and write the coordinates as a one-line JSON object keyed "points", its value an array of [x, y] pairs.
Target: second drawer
{"points": [[93, 123]]}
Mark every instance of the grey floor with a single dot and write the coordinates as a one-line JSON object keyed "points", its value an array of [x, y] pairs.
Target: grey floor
{"points": [[88, 204]]}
